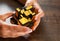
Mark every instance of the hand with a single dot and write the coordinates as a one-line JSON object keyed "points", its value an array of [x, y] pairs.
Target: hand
{"points": [[11, 30], [38, 10]]}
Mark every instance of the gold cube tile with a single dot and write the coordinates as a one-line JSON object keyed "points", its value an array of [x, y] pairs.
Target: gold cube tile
{"points": [[29, 7], [26, 13], [22, 11], [18, 9], [23, 20]]}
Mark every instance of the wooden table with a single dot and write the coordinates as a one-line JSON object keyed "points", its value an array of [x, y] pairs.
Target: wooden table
{"points": [[49, 28]]}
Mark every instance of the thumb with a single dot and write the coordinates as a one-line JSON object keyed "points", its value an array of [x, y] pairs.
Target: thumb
{"points": [[7, 15]]}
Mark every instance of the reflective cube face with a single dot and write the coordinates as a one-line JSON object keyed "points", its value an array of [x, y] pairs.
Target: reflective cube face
{"points": [[24, 15]]}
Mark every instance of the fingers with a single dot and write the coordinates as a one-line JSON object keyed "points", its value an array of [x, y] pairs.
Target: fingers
{"points": [[36, 5], [23, 29], [29, 3], [36, 23], [13, 31], [38, 16], [27, 30], [38, 10]]}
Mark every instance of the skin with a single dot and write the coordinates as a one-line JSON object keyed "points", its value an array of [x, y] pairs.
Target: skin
{"points": [[39, 13], [12, 30]]}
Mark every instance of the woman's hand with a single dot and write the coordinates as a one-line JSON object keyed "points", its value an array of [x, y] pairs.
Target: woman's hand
{"points": [[11, 30], [38, 10]]}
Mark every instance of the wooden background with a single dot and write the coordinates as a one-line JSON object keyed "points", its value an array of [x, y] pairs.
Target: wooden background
{"points": [[49, 28]]}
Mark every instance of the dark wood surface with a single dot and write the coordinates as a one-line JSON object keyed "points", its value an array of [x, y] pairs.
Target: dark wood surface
{"points": [[49, 27]]}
